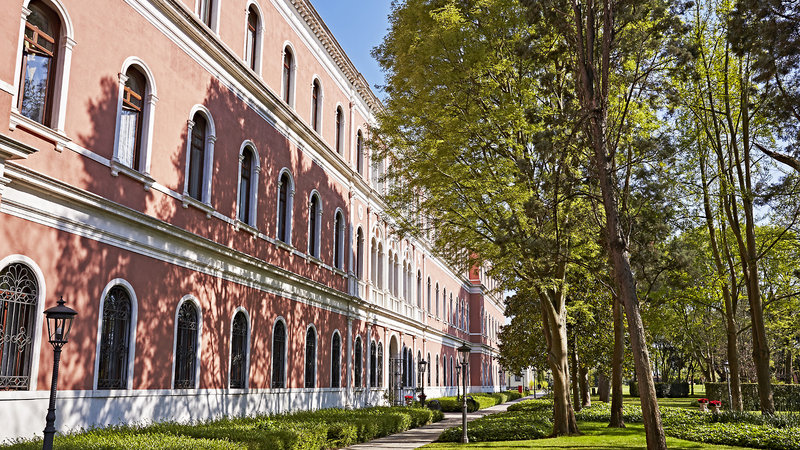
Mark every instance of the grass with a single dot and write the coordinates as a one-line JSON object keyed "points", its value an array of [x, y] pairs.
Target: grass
{"points": [[596, 435]]}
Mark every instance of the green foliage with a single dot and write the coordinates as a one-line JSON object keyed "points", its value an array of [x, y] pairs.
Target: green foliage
{"points": [[744, 435], [537, 406], [507, 426], [786, 396], [305, 430]]}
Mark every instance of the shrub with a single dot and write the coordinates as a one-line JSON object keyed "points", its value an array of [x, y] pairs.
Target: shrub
{"points": [[507, 426], [744, 435], [538, 405], [786, 396], [128, 440], [513, 395]]}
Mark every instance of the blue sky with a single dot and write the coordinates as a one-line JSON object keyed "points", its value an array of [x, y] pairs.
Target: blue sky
{"points": [[358, 25]]}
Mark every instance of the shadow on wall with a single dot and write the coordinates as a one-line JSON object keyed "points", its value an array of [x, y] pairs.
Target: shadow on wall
{"points": [[81, 268]]}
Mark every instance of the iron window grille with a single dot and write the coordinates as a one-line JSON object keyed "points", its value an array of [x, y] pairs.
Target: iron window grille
{"points": [[239, 351], [186, 347], [18, 296], [311, 358], [114, 340], [278, 355], [336, 358]]}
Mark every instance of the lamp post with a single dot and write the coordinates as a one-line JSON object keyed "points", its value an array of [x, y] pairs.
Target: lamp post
{"points": [[458, 384], [726, 365], [421, 365], [464, 352], [500, 378], [59, 324]]}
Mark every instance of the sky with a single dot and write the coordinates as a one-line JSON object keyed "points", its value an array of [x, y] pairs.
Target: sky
{"points": [[359, 26]]}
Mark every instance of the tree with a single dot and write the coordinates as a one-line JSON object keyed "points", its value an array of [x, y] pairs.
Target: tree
{"points": [[480, 144]]}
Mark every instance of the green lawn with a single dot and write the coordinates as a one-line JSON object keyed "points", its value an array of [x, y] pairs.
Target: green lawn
{"points": [[686, 402], [596, 435]]}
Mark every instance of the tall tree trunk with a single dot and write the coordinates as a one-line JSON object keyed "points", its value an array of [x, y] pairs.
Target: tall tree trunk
{"points": [[593, 92], [554, 319], [603, 387], [787, 366], [576, 396], [586, 399], [731, 327], [616, 365]]}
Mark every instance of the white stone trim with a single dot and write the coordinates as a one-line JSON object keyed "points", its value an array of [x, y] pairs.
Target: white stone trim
{"points": [[292, 75], [148, 114], [259, 35], [208, 159], [289, 207], [255, 170]]}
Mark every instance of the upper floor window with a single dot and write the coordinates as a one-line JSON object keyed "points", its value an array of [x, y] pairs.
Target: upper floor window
{"points": [[279, 355], [285, 196], [208, 11], [359, 254], [360, 153], [252, 44], [186, 346], [200, 157], [135, 107], [112, 368], [239, 353], [336, 360], [419, 289], [437, 299], [288, 75], [339, 141], [314, 218], [429, 295], [311, 358], [338, 240], [39, 56], [19, 293], [248, 180], [316, 105]]}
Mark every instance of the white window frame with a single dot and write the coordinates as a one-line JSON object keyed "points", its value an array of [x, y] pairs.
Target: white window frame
{"points": [[314, 252], [289, 207], [208, 160], [259, 36], [255, 170], [320, 104], [148, 113], [292, 74]]}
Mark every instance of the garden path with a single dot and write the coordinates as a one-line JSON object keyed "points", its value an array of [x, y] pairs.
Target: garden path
{"points": [[418, 437]]}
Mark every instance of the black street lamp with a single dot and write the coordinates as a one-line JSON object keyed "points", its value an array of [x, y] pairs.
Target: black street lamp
{"points": [[59, 324], [726, 365], [421, 365], [464, 352]]}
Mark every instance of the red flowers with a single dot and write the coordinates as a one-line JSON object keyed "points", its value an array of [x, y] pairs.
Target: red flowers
{"points": [[716, 402], [702, 400]]}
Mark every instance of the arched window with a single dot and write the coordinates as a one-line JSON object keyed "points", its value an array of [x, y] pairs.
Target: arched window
{"points": [[380, 262], [311, 358], [288, 75], [200, 158], [390, 274], [429, 368], [420, 380], [252, 39], [314, 218], [285, 194], [444, 370], [112, 369], [131, 119], [444, 304], [186, 346], [360, 254], [279, 355], [316, 105], [429, 295], [419, 289], [373, 364], [452, 373], [19, 294], [437, 300], [336, 360], [379, 375], [437, 370], [452, 317], [39, 56], [360, 153], [248, 181], [339, 141], [357, 363], [338, 240], [239, 356]]}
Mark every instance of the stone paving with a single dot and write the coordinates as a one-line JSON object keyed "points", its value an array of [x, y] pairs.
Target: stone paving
{"points": [[418, 437]]}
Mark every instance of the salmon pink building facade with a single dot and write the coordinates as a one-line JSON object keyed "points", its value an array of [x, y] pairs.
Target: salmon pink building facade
{"points": [[192, 176]]}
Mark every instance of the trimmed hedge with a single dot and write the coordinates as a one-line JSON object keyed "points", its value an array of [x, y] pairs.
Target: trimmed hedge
{"points": [[506, 426], [306, 430], [786, 396], [538, 405], [671, 390], [475, 401]]}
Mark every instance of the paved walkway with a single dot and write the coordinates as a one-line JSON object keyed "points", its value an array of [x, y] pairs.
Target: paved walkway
{"points": [[417, 437]]}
